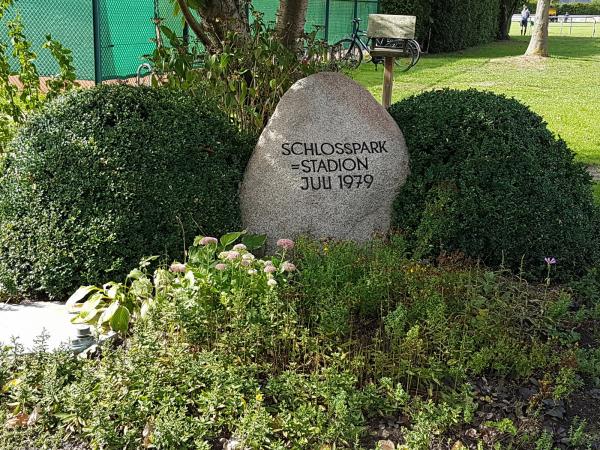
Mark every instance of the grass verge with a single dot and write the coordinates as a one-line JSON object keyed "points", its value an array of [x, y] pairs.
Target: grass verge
{"points": [[560, 88]]}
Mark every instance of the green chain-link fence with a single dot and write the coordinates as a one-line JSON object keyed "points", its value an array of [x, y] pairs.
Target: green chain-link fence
{"points": [[109, 38]]}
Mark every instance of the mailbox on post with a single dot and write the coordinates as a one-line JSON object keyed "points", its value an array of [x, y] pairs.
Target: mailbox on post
{"points": [[392, 37]]}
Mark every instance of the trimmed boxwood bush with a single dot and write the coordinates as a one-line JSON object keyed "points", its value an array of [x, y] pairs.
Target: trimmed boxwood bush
{"points": [[104, 177], [490, 180]]}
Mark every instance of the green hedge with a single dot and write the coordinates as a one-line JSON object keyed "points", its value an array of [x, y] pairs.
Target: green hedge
{"points": [[103, 177], [455, 24], [419, 8], [580, 8], [488, 179]]}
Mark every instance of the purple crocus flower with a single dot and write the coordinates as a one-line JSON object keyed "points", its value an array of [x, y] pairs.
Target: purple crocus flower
{"points": [[550, 261]]}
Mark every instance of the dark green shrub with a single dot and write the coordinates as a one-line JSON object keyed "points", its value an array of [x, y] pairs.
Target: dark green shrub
{"points": [[489, 179], [454, 24], [592, 8], [419, 8], [103, 177]]}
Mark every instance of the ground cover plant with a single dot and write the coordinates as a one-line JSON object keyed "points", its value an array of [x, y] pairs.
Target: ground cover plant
{"points": [[480, 187], [348, 345], [105, 176], [559, 88]]}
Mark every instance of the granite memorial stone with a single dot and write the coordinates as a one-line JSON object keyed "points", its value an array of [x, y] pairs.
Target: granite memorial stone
{"points": [[328, 164]]}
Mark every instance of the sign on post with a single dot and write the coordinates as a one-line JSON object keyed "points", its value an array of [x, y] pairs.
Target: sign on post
{"points": [[392, 28]]}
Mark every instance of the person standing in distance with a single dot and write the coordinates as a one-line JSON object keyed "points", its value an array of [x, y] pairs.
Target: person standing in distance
{"points": [[524, 19]]}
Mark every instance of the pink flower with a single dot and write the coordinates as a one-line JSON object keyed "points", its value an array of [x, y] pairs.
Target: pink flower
{"points": [[248, 256], [177, 268], [233, 255], [221, 267], [208, 240], [288, 267], [286, 244], [239, 247], [269, 268], [246, 262]]}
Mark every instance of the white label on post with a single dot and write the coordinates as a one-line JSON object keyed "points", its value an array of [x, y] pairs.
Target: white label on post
{"points": [[391, 26]]}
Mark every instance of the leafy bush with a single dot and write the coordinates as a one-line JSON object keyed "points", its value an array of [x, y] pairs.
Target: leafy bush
{"points": [[454, 24], [247, 76], [489, 179], [223, 356], [103, 177], [592, 8]]}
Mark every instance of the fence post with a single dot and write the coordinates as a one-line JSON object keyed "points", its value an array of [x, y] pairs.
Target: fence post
{"points": [[355, 9], [326, 35], [97, 49]]}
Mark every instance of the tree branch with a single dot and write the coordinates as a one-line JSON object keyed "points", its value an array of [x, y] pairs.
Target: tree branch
{"points": [[195, 25]]}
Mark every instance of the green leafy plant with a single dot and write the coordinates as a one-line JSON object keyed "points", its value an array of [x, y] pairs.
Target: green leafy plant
{"points": [[248, 76], [17, 102], [216, 266]]}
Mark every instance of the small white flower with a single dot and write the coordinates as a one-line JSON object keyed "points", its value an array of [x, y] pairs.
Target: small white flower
{"points": [[252, 272], [270, 269], [232, 255], [248, 256], [288, 266], [223, 255], [246, 262], [177, 268], [271, 282], [239, 247], [208, 240]]}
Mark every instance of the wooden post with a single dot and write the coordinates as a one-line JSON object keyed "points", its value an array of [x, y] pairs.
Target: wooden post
{"points": [[392, 27], [389, 59], [388, 81]]}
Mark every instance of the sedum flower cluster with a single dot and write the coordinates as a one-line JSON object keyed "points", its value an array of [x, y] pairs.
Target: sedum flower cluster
{"points": [[237, 265]]}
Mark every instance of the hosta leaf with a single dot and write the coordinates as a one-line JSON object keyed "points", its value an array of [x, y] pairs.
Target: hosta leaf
{"points": [[230, 238], [120, 320], [85, 316], [80, 294], [108, 313], [254, 241]]}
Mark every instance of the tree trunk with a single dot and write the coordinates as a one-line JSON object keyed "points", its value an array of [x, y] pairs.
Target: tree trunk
{"points": [[291, 18], [538, 45], [218, 18], [507, 8]]}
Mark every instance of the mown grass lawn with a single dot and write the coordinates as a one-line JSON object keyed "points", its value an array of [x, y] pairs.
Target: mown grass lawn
{"points": [[564, 89]]}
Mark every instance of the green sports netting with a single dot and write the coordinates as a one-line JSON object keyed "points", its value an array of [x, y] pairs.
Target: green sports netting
{"points": [[126, 28]]}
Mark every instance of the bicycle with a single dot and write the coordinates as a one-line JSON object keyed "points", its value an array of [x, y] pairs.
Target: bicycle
{"points": [[351, 51]]}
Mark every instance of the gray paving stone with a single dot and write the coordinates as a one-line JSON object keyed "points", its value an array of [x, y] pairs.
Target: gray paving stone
{"points": [[28, 320]]}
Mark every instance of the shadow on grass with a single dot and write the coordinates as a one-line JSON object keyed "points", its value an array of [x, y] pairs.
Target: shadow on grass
{"points": [[567, 47], [455, 63]]}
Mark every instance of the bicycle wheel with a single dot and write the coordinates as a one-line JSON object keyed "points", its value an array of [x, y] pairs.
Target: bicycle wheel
{"points": [[347, 53], [415, 49], [409, 52]]}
